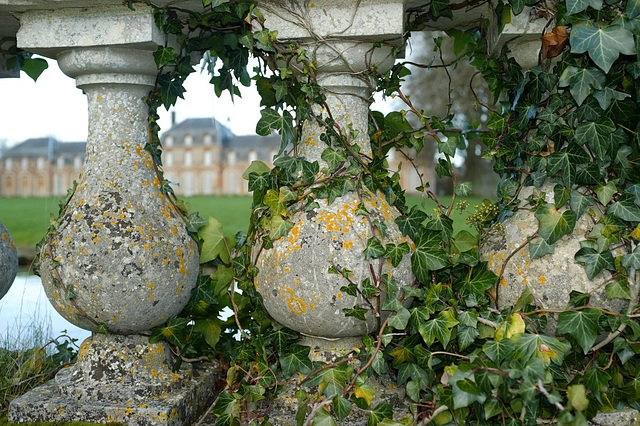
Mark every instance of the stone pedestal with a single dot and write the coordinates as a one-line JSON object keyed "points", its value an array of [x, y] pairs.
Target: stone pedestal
{"points": [[120, 260], [8, 261]]}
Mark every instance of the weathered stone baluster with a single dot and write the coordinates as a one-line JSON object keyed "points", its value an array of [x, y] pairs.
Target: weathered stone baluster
{"points": [[8, 261], [347, 43], [120, 260]]}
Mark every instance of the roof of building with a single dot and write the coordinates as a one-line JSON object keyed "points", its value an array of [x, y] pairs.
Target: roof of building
{"points": [[197, 128], [44, 147]]}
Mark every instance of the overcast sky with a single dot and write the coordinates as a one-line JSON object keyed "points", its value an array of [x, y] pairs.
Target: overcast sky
{"points": [[53, 106]]}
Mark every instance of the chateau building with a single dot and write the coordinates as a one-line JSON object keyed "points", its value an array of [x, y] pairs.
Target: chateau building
{"points": [[200, 157]]}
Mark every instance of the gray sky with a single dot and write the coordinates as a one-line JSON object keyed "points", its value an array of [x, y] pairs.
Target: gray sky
{"points": [[53, 106]]}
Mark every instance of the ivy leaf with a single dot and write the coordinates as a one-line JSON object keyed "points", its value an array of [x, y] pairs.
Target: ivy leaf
{"points": [[466, 336], [323, 418], [357, 312], [465, 241], [452, 142], [210, 329], [400, 319], [596, 134], [283, 124], [281, 338], [596, 380], [341, 407], [278, 227], [257, 167], [396, 253], [297, 359], [165, 56], [170, 89], [603, 44], [619, 289], [512, 326], [373, 249], [438, 328], [606, 192], [594, 262], [632, 260], [213, 244], [380, 412], [411, 370], [577, 6], [226, 409], [498, 350], [482, 278], [333, 157], [34, 67], [581, 325], [605, 96], [579, 203], [538, 247], [463, 189], [214, 3], [582, 82], [625, 208], [553, 225]]}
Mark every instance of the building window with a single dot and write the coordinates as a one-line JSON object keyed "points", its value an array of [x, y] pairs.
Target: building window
{"points": [[24, 164], [207, 183], [232, 182], [253, 156], [8, 164], [188, 184], [58, 185], [208, 139], [77, 162], [168, 141], [207, 158], [169, 159], [188, 140], [231, 158], [60, 162], [188, 159], [40, 163]]}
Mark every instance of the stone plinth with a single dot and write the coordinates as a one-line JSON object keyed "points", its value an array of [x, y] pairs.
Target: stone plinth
{"points": [[119, 259], [133, 384], [8, 261]]}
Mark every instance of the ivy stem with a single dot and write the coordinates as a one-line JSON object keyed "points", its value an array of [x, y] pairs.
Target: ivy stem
{"points": [[369, 362], [506, 261], [546, 393]]}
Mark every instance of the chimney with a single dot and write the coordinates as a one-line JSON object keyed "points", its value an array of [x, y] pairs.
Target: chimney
{"points": [[173, 118]]}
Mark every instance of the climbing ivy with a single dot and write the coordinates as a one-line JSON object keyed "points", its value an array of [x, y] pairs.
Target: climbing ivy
{"points": [[571, 120]]}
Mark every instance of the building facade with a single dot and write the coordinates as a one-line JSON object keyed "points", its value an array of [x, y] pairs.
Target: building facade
{"points": [[200, 157]]}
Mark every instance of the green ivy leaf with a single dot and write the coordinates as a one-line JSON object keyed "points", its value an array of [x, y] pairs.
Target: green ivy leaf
{"points": [[603, 44], [632, 260], [213, 244], [278, 227], [323, 418], [619, 289], [282, 338], [296, 359], [596, 380], [538, 247], [482, 278], [341, 407], [463, 189], [606, 192], [625, 208], [594, 262], [498, 350], [413, 371], [596, 134], [333, 157], [553, 225], [582, 82], [227, 409], [283, 124], [379, 413], [34, 67], [210, 329], [580, 203], [606, 95], [257, 167], [165, 56], [357, 312], [465, 241], [396, 253], [373, 249], [466, 336], [438, 328], [214, 3], [581, 325], [400, 319], [577, 6]]}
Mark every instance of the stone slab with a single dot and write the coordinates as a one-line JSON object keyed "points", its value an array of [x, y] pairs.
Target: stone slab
{"points": [[8, 261], [177, 408]]}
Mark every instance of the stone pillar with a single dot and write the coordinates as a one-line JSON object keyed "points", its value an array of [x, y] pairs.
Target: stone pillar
{"points": [[120, 260], [8, 261], [347, 41]]}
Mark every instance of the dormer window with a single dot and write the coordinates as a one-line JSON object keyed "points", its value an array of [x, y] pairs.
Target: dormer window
{"points": [[24, 164], [168, 141], [77, 162], [252, 156], [40, 163], [231, 158], [188, 140], [60, 162], [208, 139], [8, 164]]}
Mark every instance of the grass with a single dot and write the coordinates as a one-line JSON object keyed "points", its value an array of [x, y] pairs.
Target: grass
{"points": [[27, 219]]}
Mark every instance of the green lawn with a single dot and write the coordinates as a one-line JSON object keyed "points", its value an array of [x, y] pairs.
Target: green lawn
{"points": [[27, 219]]}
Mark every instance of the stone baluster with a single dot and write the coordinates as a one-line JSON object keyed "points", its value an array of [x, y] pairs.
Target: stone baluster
{"points": [[347, 40], [120, 260], [8, 261]]}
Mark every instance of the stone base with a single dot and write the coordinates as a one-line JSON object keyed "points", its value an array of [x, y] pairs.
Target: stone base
{"points": [[282, 409], [628, 417], [121, 379]]}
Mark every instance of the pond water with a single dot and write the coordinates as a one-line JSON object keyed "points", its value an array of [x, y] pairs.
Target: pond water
{"points": [[27, 317]]}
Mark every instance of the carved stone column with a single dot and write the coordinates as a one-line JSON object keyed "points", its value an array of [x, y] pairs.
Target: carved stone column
{"points": [[8, 261], [347, 41], [120, 260]]}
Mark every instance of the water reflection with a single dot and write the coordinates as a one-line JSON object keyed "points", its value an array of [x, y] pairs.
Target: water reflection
{"points": [[27, 317]]}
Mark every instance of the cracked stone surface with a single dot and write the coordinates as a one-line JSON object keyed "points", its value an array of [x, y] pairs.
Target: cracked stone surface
{"points": [[8, 261]]}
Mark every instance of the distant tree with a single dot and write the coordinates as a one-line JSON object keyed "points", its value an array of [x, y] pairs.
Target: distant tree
{"points": [[442, 87]]}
